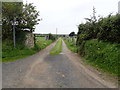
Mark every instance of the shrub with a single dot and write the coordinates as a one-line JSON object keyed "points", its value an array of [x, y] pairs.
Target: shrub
{"points": [[105, 29], [103, 55]]}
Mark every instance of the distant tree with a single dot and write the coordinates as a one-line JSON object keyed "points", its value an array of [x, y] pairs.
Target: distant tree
{"points": [[51, 37], [72, 34], [63, 35]]}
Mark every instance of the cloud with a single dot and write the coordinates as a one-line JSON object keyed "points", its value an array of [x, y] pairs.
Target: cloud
{"points": [[67, 14]]}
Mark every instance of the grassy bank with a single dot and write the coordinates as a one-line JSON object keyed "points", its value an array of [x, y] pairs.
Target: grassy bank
{"points": [[58, 48], [71, 45], [102, 55], [10, 54], [41, 44]]}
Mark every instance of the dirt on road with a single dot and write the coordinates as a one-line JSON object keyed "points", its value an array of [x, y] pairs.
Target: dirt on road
{"points": [[43, 70]]}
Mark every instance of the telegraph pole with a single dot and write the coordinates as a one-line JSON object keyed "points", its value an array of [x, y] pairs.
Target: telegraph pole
{"points": [[14, 41], [56, 32], [119, 7]]}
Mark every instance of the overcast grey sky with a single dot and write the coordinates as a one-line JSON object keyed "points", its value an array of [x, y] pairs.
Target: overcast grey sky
{"points": [[67, 14]]}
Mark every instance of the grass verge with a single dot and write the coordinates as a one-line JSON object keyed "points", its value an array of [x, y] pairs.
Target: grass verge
{"points": [[10, 54], [58, 48], [72, 46], [102, 55]]}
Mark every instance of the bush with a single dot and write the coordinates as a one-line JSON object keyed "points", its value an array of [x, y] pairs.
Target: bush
{"points": [[103, 55], [109, 29], [82, 49], [51, 37], [105, 29]]}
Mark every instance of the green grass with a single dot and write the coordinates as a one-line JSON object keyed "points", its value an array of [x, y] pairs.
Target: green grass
{"points": [[58, 48], [10, 54], [103, 55], [41, 44], [40, 38], [71, 46]]}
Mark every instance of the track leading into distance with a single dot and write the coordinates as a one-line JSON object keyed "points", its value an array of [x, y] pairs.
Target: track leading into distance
{"points": [[43, 70]]}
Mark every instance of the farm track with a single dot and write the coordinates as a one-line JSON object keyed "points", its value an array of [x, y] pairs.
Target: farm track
{"points": [[52, 71]]}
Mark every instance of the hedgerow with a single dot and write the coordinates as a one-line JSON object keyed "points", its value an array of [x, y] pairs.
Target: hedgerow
{"points": [[102, 54], [105, 29], [99, 42]]}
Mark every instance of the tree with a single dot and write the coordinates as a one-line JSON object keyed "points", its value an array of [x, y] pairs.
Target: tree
{"points": [[72, 34], [10, 12], [92, 23], [51, 37], [26, 17], [30, 17]]}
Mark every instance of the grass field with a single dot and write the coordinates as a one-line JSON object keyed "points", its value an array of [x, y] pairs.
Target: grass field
{"points": [[58, 48], [10, 54]]}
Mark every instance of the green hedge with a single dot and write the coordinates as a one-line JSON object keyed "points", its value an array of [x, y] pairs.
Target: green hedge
{"points": [[105, 29], [102, 54]]}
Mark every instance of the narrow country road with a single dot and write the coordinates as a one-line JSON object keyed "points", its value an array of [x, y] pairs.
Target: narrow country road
{"points": [[46, 71]]}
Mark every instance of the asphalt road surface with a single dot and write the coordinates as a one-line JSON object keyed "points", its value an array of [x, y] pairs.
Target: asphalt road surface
{"points": [[47, 71]]}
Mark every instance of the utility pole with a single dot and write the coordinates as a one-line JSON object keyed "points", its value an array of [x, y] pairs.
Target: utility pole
{"points": [[119, 7], [14, 41], [56, 33]]}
